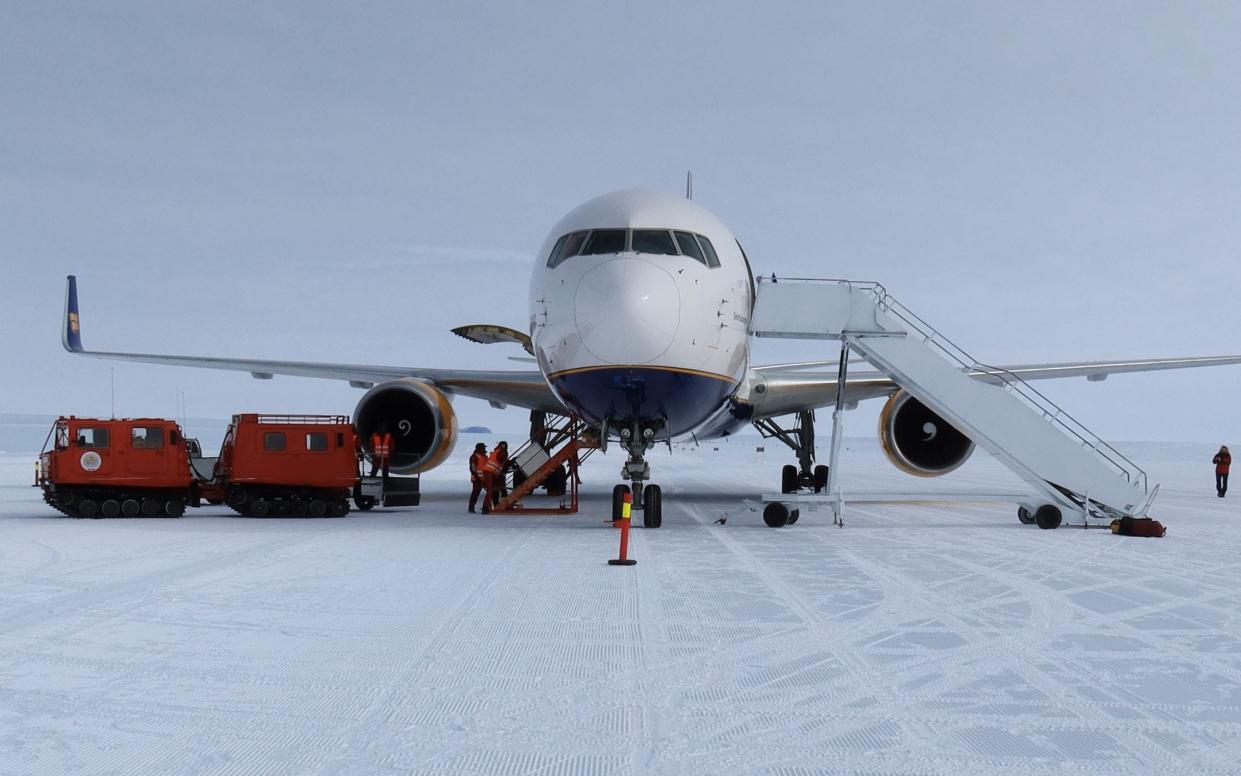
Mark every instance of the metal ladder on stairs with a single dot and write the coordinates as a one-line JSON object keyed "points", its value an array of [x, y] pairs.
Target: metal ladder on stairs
{"points": [[1065, 462], [566, 437]]}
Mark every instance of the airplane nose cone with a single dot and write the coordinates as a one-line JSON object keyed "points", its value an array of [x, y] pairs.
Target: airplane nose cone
{"points": [[627, 311]]}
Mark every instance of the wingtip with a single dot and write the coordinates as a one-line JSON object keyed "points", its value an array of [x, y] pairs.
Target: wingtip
{"points": [[71, 327]]}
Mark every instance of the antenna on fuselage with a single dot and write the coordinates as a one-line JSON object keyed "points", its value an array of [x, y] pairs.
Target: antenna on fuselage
{"points": [[689, 184]]}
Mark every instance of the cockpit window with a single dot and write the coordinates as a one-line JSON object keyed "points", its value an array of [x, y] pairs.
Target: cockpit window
{"points": [[605, 241], [566, 246], [689, 246], [708, 250], [662, 242], [554, 258], [654, 241]]}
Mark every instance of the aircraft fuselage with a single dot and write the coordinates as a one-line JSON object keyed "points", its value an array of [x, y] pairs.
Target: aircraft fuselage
{"points": [[639, 307]]}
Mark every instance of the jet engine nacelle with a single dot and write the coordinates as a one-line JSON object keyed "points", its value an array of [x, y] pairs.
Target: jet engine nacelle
{"points": [[419, 417], [919, 442]]}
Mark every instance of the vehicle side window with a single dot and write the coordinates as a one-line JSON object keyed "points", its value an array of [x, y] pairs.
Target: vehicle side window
{"points": [[146, 437], [689, 246], [708, 250], [605, 241], [569, 245], [654, 241], [92, 437], [62, 437], [316, 440], [273, 440]]}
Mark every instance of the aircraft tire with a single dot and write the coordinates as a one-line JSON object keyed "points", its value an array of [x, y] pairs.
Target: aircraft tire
{"points": [[776, 515], [1024, 516], [652, 506], [820, 478], [1048, 517], [788, 479], [618, 500], [793, 516]]}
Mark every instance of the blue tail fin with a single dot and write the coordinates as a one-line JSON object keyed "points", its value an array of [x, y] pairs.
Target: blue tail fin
{"points": [[71, 333]]}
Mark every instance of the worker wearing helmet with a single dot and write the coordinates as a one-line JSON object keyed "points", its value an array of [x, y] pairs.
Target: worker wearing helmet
{"points": [[480, 477], [381, 450]]}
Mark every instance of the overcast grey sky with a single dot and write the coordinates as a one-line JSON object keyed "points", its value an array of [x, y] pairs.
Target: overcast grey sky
{"points": [[1042, 181]]}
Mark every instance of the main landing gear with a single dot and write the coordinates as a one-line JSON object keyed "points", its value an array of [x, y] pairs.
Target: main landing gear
{"points": [[648, 498], [800, 439]]}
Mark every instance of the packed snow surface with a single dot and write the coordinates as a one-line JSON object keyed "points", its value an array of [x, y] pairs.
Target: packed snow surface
{"points": [[929, 638]]}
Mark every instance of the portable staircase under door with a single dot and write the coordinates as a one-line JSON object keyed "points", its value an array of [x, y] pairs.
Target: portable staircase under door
{"points": [[563, 443], [1066, 463]]}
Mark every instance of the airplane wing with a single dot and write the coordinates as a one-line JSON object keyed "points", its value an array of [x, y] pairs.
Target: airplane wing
{"points": [[523, 389], [807, 385]]}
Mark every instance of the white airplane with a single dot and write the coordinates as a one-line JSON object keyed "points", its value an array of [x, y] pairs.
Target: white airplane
{"points": [[640, 303]]}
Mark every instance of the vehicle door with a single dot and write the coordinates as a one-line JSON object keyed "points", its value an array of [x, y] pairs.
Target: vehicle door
{"points": [[149, 450]]}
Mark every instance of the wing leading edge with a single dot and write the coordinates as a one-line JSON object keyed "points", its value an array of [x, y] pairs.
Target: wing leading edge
{"points": [[520, 388]]}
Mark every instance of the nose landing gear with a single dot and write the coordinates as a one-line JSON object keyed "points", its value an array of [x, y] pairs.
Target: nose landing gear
{"points": [[647, 499]]}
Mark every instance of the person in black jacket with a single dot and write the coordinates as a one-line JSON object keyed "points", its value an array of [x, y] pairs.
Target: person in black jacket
{"points": [[1222, 461]]}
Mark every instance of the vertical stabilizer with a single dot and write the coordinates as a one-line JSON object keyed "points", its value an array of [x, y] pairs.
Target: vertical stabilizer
{"points": [[71, 331]]}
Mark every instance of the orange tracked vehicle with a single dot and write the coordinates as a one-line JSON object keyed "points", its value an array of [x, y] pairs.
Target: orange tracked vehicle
{"points": [[268, 465]]}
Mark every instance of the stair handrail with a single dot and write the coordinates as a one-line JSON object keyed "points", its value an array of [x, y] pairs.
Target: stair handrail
{"points": [[1015, 384]]}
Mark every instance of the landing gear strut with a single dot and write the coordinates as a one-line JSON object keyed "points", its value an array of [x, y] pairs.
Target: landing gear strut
{"points": [[801, 440], [647, 497]]}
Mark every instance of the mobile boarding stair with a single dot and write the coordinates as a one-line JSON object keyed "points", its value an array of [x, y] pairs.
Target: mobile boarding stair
{"points": [[1070, 469], [551, 458]]}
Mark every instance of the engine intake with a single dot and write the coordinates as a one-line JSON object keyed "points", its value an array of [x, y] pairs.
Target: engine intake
{"points": [[419, 417], [919, 442]]}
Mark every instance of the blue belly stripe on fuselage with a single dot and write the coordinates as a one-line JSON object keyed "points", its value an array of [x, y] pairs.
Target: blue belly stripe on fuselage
{"points": [[620, 395]]}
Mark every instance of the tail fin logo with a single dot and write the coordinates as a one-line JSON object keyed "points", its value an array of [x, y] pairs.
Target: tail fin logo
{"points": [[73, 323]]}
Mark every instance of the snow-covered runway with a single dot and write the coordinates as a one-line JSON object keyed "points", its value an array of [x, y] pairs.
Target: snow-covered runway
{"points": [[929, 638]]}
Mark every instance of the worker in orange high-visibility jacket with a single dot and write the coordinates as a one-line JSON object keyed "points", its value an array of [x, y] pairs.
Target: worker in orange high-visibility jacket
{"points": [[381, 450], [499, 457], [480, 477]]}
